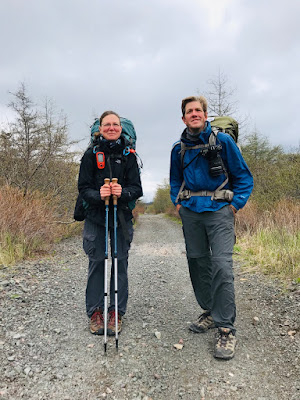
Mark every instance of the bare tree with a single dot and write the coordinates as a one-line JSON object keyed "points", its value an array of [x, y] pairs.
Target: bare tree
{"points": [[221, 101], [220, 96], [35, 150]]}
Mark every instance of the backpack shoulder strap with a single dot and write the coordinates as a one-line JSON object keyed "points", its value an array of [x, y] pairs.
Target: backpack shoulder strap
{"points": [[212, 140]]}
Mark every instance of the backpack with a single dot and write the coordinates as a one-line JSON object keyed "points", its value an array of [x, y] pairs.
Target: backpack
{"points": [[218, 124], [129, 134], [225, 124], [81, 207]]}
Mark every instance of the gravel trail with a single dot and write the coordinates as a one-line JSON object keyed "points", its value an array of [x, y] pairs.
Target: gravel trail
{"points": [[48, 353]]}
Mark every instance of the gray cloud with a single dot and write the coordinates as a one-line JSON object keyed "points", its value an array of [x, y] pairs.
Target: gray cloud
{"points": [[141, 58]]}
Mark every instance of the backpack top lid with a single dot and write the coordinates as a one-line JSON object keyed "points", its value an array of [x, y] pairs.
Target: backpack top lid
{"points": [[128, 131], [225, 124]]}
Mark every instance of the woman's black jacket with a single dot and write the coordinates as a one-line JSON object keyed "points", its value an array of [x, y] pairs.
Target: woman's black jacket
{"points": [[117, 165]]}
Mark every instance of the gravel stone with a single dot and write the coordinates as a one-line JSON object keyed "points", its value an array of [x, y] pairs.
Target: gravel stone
{"points": [[47, 351]]}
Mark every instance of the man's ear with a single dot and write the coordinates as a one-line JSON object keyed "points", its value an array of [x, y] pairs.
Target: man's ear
{"points": [[183, 119]]}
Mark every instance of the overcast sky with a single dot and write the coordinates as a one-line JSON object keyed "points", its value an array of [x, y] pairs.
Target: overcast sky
{"points": [[140, 58]]}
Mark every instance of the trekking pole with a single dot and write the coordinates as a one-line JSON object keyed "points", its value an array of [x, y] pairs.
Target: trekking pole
{"points": [[115, 202], [106, 182]]}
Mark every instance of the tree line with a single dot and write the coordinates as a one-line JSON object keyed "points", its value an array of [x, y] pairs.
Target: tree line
{"points": [[39, 169], [35, 151]]}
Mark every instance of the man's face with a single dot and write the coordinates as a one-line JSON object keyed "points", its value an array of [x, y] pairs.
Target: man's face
{"points": [[110, 127], [194, 117]]}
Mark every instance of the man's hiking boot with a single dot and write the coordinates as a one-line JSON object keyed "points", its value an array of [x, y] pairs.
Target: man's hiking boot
{"points": [[97, 323], [225, 342], [111, 327], [203, 323]]}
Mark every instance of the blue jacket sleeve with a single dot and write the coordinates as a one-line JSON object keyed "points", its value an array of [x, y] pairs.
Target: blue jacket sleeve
{"points": [[176, 177], [240, 176]]}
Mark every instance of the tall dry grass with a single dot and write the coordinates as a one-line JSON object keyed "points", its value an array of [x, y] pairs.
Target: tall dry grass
{"points": [[285, 215], [270, 240], [139, 209], [26, 224]]}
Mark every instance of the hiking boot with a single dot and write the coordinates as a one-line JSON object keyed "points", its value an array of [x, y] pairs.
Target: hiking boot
{"points": [[97, 323], [111, 327], [225, 342], [203, 323]]}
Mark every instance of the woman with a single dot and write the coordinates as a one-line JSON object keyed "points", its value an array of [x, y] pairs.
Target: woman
{"points": [[115, 163]]}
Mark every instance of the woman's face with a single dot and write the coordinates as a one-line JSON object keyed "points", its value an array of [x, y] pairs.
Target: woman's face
{"points": [[110, 127]]}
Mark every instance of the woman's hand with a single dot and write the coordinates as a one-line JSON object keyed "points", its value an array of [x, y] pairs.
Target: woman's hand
{"points": [[116, 189], [105, 191]]}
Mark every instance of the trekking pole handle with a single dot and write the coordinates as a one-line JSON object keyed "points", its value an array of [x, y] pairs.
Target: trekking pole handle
{"points": [[115, 198], [106, 182]]}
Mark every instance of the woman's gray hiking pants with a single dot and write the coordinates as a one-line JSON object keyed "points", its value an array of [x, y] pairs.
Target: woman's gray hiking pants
{"points": [[209, 240], [94, 247]]}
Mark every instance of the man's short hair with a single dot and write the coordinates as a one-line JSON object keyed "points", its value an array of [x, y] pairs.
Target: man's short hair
{"points": [[202, 100]]}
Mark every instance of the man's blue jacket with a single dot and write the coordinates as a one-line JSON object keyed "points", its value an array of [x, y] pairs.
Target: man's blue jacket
{"points": [[197, 177]]}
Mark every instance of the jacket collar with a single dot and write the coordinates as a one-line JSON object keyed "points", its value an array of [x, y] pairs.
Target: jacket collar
{"points": [[202, 137]]}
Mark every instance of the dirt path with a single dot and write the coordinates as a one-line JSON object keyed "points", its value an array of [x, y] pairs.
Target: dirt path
{"points": [[47, 351]]}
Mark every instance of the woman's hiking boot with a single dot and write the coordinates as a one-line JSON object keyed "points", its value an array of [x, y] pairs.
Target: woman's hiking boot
{"points": [[97, 323], [203, 323], [225, 342], [111, 327]]}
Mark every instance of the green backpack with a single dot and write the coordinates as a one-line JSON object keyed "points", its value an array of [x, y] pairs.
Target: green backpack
{"points": [[225, 124]]}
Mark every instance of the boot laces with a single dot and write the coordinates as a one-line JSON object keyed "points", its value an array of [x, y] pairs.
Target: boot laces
{"points": [[203, 316], [224, 337], [97, 317], [112, 318]]}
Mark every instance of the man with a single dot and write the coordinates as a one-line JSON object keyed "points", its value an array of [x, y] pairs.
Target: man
{"points": [[207, 207], [109, 142]]}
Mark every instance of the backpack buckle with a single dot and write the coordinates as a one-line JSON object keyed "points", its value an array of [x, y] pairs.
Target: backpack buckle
{"points": [[126, 151], [185, 194]]}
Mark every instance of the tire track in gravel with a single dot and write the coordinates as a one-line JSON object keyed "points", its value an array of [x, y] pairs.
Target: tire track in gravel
{"points": [[47, 351]]}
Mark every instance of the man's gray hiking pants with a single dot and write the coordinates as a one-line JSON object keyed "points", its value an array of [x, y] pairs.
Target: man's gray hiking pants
{"points": [[209, 239], [94, 247]]}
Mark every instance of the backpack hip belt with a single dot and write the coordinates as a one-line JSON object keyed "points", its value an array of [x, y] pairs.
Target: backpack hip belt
{"points": [[218, 194], [223, 194]]}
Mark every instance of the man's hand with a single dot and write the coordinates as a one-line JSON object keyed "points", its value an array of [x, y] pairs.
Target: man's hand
{"points": [[178, 207], [233, 209]]}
